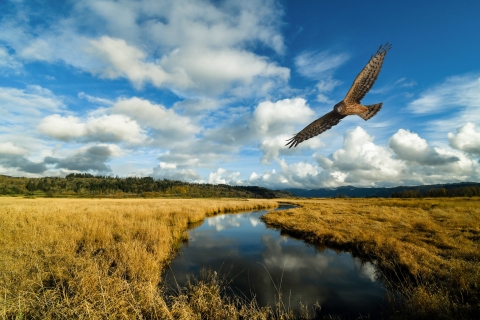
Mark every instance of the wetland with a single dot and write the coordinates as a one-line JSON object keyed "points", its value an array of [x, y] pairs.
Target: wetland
{"points": [[108, 258]]}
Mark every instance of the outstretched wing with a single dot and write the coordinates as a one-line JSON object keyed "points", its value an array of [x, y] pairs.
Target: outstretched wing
{"points": [[315, 128], [366, 78]]}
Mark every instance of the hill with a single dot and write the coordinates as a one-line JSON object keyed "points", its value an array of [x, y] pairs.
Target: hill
{"points": [[87, 185], [461, 189]]}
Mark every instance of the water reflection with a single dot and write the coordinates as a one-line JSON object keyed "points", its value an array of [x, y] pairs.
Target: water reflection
{"points": [[260, 261]]}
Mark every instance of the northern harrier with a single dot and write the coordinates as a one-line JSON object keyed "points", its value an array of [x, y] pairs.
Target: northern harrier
{"points": [[351, 103]]}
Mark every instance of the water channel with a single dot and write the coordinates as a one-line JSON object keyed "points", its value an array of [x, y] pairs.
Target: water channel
{"points": [[258, 260]]}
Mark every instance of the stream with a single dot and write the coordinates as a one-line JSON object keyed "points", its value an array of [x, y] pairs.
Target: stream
{"points": [[259, 261]]}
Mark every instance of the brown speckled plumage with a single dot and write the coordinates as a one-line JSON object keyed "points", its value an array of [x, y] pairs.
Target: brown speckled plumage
{"points": [[351, 103]]}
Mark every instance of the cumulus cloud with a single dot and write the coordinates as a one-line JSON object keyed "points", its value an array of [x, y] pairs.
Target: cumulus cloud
{"points": [[408, 160], [134, 121], [9, 147], [361, 161], [410, 147], [106, 128], [275, 122], [275, 117], [13, 161], [123, 60], [467, 139], [222, 176], [194, 46], [168, 125], [92, 158], [13, 157], [268, 126], [168, 171]]}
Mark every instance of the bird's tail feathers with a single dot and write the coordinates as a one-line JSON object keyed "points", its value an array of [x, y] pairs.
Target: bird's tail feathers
{"points": [[372, 110]]}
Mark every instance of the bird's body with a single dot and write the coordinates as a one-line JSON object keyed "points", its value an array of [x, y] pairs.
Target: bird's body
{"points": [[350, 105]]}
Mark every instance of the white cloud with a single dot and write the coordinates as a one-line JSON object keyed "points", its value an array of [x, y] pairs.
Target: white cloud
{"points": [[467, 139], [8, 62], [106, 128], [217, 70], [189, 175], [222, 176], [197, 153], [123, 60], [272, 118], [88, 158], [325, 86], [319, 65], [134, 121], [95, 100], [32, 101], [410, 147], [459, 91], [169, 125], [186, 46], [275, 122], [115, 127], [361, 162], [63, 128], [9, 147]]}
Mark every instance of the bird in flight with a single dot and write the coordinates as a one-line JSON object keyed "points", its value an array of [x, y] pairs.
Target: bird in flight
{"points": [[351, 103]]}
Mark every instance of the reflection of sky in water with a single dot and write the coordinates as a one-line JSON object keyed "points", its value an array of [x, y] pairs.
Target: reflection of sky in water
{"points": [[240, 247]]}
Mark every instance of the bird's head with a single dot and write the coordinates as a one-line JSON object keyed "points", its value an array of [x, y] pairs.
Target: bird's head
{"points": [[338, 107]]}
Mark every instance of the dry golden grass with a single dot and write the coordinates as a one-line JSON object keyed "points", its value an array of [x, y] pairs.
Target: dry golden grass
{"points": [[103, 258], [427, 248], [64, 258]]}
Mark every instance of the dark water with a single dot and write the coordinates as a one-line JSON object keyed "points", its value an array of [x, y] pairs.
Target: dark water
{"points": [[260, 261]]}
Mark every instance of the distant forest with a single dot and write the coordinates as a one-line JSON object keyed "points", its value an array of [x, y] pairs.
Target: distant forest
{"points": [[87, 185], [461, 189], [466, 191]]}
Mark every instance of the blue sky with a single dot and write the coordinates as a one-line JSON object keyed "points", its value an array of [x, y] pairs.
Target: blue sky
{"points": [[209, 91]]}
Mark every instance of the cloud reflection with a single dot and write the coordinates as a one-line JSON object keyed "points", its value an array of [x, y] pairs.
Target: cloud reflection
{"points": [[223, 221], [276, 255], [260, 262]]}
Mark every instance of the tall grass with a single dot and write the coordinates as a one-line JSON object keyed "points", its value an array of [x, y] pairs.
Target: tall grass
{"points": [[103, 258], [428, 249], [64, 258]]}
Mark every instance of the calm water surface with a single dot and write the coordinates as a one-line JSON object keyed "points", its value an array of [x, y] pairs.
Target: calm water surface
{"points": [[242, 248]]}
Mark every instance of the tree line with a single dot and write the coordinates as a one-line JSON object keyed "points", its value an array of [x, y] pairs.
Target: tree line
{"points": [[466, 191], [88, 185]]}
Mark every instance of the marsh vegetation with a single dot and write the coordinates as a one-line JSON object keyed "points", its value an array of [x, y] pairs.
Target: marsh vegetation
{"points": [[428, 250], [103, 258]]}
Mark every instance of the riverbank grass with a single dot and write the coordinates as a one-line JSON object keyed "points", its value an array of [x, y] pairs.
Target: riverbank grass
{"points": [[103, 258], [428, 249], [64, 258]]}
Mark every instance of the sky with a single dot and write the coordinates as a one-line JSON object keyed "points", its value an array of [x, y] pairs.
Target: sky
{"points": [[209, 91]]}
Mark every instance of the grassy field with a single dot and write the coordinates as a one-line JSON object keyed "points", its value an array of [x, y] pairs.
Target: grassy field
{"points": [[427, 249], [102, 258], [64, 258]]}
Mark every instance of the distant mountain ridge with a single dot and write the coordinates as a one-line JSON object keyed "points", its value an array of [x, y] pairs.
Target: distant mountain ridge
{"points": [[351, 191]]}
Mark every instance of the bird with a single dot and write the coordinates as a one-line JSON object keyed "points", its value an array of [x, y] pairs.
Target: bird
{"points": [[350, 105]]}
